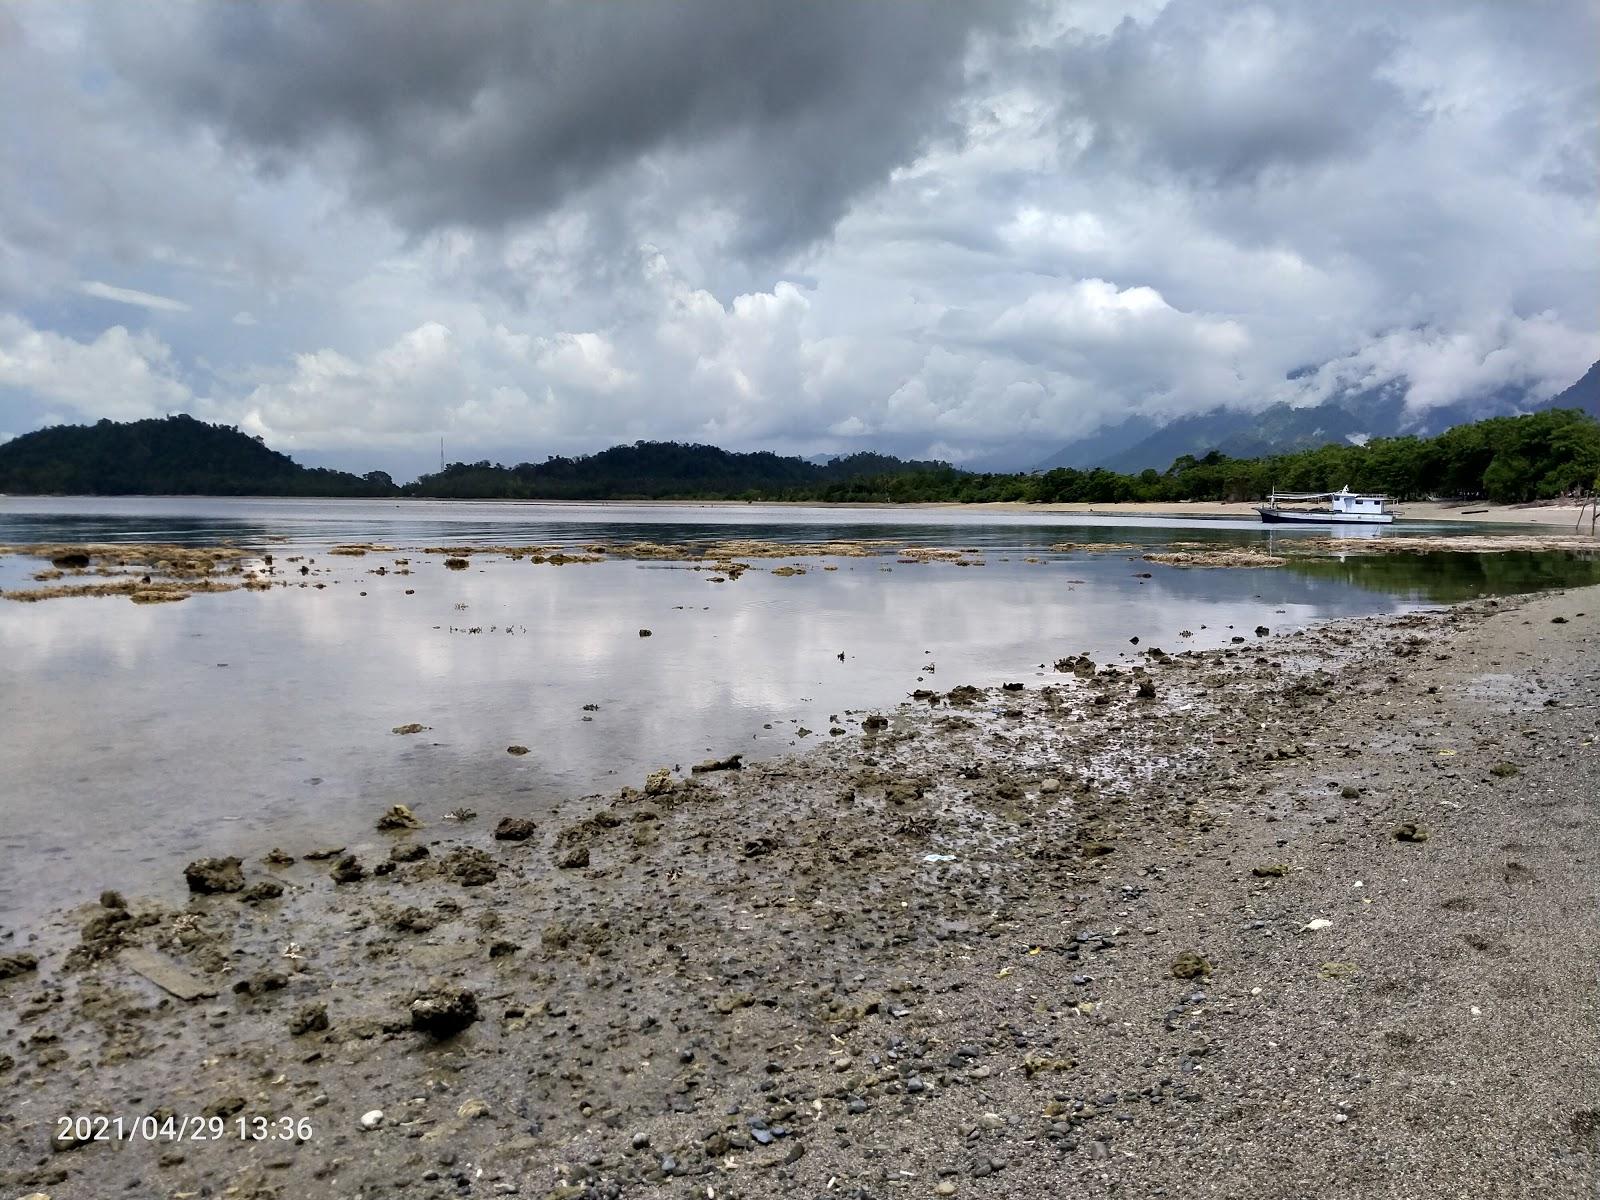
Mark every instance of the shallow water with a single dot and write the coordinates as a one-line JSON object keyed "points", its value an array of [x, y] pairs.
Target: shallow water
{"points": [[133, 738]]}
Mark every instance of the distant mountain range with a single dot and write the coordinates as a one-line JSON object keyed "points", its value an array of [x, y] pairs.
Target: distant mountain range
{"points": [[1139, 443]]}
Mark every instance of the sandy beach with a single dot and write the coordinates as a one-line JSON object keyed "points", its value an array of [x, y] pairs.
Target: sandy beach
{"points": [[1314, 915], [1555, 515]]}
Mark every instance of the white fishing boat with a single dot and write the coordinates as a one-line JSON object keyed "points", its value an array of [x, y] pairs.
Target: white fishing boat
{"points": [[1343, 507]]}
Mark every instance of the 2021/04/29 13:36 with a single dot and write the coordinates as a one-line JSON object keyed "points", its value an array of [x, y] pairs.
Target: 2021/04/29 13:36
{"points": [[157, 1127]]}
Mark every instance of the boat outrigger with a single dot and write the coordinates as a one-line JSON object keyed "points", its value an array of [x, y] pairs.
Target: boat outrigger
{"points": [[1344, 508]]}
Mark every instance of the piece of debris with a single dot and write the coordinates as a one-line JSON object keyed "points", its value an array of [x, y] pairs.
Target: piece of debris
{"points": [[166, 974]]}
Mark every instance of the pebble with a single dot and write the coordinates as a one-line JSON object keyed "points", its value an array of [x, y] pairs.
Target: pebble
{"points": [[471, 1109], [371, 1120], [945, 1188]]}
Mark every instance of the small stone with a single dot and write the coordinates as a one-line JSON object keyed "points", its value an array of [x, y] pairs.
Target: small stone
{"points": [[399, 817], [112, 899], [516, 751], [266, 889], [310, 1018], [12, 965], [1190, 965], [348, 870], [644, 633], [471, 1110], [514, 829], [944, 1188], [371, 1120], [445, 1012], [207, 876], [577, 856], [1410, 832]]}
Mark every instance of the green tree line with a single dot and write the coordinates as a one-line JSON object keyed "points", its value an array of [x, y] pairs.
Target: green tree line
{"points": [[167, 456], [1504, 459]]}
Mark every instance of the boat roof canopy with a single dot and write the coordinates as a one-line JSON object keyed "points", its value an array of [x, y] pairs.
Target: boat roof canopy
{"points": [[1326, 495]]}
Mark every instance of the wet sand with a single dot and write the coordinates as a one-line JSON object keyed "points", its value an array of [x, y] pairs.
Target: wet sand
{"points": [[1314, 915]]}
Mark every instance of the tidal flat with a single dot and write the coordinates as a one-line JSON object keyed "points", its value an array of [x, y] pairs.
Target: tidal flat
{"points": [[1043, 939], [1078, 868]]}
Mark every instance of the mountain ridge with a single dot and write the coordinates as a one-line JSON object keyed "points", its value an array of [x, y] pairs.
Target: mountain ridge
{"points": [[1283, 428]]}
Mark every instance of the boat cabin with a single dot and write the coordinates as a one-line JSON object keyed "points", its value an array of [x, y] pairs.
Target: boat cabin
{"points": [[1346, 502]]}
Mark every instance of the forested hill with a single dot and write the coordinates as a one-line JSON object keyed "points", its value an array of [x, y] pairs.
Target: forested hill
{"points": [[660, 471], [166, 457], [1509, 459]]}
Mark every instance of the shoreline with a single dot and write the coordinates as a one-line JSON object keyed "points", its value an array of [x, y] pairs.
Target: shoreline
{"points": [[1541, 513], [1108, 980]]}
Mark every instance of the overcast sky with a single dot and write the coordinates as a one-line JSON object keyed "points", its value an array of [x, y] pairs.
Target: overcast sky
{"points": [[962, 230]]}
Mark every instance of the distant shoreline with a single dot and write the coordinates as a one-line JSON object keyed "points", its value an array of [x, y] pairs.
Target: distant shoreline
{"points": [[1543, 513]]}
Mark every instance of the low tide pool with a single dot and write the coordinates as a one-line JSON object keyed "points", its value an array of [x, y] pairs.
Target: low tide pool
{"points": [[134, 737]]}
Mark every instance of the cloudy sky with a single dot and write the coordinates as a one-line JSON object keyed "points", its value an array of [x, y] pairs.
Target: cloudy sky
{"points": [[970, 231]]}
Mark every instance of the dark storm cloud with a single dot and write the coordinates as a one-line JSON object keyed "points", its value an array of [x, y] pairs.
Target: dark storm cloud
{"points": [[952, 229], [482, 115], [1220, 96]]}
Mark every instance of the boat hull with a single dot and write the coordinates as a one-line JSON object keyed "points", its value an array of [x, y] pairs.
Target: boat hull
{"points": [[1285, 516]]}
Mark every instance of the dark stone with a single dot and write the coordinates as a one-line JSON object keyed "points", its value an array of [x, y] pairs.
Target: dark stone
{"points": [[267, 889], [514, 829], [206, 876], [309, 1018], [445, 1012], [12, 965], [348, 870], [577, 856]]}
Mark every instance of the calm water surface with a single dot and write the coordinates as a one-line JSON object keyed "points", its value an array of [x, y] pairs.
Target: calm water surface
{"points": [[134, 737]]}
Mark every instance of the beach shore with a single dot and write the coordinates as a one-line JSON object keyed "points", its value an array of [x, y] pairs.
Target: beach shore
{"points": [[1557, 516], [1314, 915]]}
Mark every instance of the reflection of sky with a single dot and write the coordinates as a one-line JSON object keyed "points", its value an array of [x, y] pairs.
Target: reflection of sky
{"points": [[127, 746], [204, 519]]}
